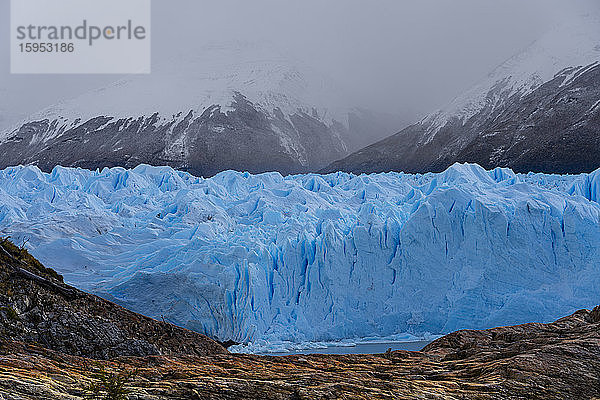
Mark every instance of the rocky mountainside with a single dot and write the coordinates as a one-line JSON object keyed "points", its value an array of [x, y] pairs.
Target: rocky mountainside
{"points": [[235, 106], [37, 307], [539, 111]]}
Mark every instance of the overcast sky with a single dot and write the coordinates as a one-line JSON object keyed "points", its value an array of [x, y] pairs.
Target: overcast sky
{"points": [[401, 54]]}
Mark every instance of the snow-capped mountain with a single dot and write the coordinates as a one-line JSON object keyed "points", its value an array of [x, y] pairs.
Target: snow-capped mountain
{"points": [[539, 111], [316, 257], [232, 106]]}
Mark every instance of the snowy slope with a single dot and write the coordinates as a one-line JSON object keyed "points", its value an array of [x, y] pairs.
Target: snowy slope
{"points": [[238, 106], [567, 49], [316, 258], [538, 111], [192, 83]]}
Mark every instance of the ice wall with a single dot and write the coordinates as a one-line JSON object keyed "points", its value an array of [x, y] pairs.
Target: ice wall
{"points": [[313, 257]]}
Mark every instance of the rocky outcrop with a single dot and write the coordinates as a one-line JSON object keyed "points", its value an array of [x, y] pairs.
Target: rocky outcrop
{"points": [[37, 307], [533, 361]]}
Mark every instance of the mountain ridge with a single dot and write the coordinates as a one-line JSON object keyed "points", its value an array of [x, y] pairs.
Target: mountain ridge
{"points": [[541, 103], [235, 106]]}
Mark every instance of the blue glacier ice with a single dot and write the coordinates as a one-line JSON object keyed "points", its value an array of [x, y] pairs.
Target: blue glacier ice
{"points": [[316, 257]]}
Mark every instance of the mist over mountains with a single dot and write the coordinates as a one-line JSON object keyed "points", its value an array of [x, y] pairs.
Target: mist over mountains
{"points": [[236, 105], [246, 106], [536, 112]]}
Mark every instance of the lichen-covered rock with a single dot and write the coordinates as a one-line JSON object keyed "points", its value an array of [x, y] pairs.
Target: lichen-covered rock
{"points": [[532, 361]]}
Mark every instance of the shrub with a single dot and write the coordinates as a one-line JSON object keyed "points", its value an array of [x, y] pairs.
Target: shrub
{"points": [[10, 312], [110, 385]]}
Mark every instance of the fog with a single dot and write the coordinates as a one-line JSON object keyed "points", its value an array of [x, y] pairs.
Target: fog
{"points": [[396, 55]]}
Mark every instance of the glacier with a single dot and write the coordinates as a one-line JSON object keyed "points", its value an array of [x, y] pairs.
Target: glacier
{"points": [[316, 257]]}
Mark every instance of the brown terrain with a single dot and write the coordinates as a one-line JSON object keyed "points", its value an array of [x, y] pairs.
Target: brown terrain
{"points": [[59, 343]]}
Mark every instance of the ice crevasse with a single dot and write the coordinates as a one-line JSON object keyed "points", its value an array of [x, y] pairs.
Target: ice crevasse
{"points": [[316, 257]]}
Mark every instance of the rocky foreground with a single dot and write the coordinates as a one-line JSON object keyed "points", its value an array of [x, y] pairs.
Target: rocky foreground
{"points": [[59, 343]]}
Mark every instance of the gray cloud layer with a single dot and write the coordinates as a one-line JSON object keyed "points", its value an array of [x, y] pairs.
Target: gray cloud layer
{"points": [[393, 54]]}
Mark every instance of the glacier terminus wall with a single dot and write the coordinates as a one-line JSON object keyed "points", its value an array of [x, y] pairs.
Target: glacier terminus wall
{"points": [[316, 257]]}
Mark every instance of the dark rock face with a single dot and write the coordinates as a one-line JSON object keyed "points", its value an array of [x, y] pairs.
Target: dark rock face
{"points": [[554, 129], [245, 138], [36, 307]]}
